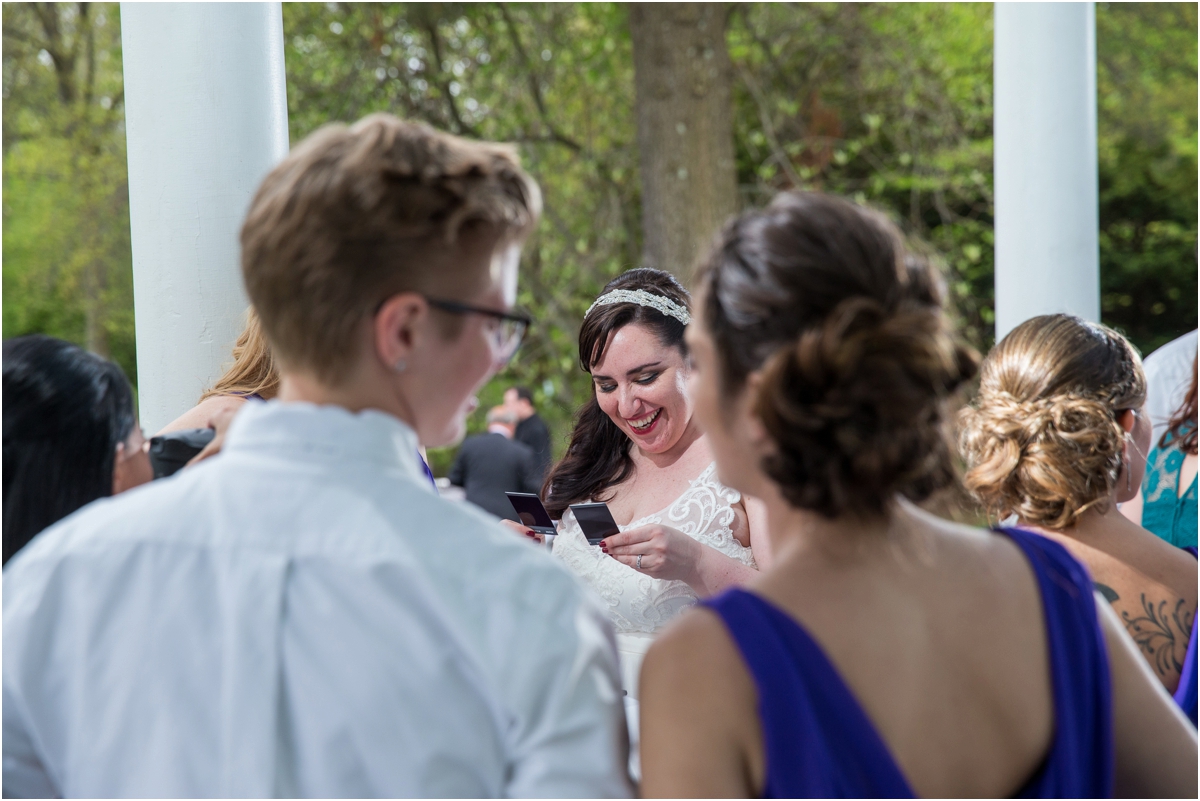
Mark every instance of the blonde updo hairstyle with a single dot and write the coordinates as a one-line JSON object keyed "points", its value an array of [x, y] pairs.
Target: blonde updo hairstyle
{"points": [[1042, 439], [856, 357]]}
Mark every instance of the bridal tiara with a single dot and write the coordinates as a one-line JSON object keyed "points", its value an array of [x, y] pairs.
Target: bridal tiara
{"points": [[642, 298]]}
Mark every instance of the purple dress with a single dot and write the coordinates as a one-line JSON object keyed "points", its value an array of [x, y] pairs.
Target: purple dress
{"points": [[820, 743]]}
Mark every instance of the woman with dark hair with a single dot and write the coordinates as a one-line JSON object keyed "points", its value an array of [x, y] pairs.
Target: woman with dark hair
{"points": [[636, 447], [70, 435], [885, 652], [1166, 505]]}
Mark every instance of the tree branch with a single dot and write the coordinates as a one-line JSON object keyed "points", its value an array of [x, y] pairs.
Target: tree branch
{"points": [[784, 75], [443, 84], [89, 55], [535, 87], [13, 33], [764, 116], [64, 62]]}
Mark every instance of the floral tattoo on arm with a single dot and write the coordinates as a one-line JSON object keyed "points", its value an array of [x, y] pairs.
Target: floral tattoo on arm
{"points": [[1158, 629]]}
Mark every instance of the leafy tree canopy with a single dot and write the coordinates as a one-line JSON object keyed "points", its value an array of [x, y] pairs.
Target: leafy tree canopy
{"points": [[888, 103]]}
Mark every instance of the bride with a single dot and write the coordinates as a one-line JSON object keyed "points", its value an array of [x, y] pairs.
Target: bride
{"points": [[637, 448]]}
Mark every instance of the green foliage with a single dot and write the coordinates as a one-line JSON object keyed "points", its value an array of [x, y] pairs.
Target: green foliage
{"points": [[1146, 87], [556, 80], [887, 103], [67, 264]]}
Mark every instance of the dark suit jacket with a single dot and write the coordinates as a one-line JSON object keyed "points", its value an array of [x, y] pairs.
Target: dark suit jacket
{"points": [[488, 465], [533, 432]]}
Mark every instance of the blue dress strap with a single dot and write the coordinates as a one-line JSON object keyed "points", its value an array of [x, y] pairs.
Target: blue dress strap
{"points": [[1081, 760], [819, 741], [1185, 693]]}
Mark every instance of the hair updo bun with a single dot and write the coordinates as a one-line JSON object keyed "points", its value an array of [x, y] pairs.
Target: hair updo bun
{"points": [[1042, 439], [857, 359]]}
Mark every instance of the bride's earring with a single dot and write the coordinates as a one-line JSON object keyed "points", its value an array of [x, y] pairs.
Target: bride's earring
{"points": [[400, 366]]}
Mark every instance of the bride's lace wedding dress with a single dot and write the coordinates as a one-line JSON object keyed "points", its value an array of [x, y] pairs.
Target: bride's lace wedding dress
{"points": [[639, 605]]}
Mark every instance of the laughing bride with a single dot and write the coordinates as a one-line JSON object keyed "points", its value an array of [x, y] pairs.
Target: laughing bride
{"points": [[636, 447]]}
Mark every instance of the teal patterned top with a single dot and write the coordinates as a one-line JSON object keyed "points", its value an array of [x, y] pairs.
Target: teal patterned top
{"points": [[1165, 512]]}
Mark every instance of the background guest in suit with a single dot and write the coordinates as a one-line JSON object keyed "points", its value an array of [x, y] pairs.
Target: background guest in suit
{"points": [[488, 465], [531, 428]]}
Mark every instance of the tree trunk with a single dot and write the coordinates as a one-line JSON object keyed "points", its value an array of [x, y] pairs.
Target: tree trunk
{"points": [[684, 110]]}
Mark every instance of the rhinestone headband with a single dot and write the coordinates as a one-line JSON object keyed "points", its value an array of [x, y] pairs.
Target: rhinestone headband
{"points": [[642, 298]]}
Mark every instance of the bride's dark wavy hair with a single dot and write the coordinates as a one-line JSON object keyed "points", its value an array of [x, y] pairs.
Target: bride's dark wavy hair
{"points": [[598, 456]]}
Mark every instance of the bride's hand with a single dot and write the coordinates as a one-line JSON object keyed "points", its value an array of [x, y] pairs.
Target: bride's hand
{"points": [[666, 553], [522, 530]]}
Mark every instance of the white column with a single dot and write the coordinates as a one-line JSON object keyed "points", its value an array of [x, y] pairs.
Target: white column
{"points": [[206, 118], [1047, 198]]}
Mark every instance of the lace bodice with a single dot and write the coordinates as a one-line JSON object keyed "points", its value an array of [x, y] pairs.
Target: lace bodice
{"points": [[636, 602]]}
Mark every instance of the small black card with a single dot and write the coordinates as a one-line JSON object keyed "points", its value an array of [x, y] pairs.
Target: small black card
{"points": [[529, 508], [595, 520]]}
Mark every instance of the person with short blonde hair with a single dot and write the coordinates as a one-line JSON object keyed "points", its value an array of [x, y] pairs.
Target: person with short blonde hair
{"points": [[1057, 437], [302, 615]]}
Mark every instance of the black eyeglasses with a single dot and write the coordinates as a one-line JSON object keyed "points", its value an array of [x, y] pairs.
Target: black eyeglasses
{"points": [[505, 336]]}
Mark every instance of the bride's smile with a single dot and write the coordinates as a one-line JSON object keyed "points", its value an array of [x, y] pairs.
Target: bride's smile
{"points": [[642, 387], [643, 425]]}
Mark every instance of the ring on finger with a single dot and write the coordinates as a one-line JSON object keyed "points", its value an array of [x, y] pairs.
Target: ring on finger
{"points": [[639, 562]]}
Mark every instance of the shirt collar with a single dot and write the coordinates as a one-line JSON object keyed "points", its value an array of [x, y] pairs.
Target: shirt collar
{"points": [[326, 433]]}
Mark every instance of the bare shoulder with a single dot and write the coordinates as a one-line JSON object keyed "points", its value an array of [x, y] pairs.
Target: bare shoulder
{"points": [[696, 658], [700, 735], [201, 415], [697, 632], [1175, 566], [975, 549], [998, 613]]}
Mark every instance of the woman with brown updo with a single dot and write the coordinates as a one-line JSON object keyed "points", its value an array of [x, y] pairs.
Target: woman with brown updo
{"points": [[885, 652], [1057, 438]]}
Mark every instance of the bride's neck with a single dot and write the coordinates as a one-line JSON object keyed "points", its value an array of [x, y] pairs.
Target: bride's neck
{"points": [[691, 435]]}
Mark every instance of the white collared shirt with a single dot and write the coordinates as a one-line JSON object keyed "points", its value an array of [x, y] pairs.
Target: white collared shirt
{"points": [[302, 615]]}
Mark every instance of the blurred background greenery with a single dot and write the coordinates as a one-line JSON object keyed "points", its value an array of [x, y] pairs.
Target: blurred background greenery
{"points": [[890, 104]]}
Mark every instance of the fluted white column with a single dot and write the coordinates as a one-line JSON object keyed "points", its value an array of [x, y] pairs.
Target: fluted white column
{"points": [[1047, 198], [206, 118]]}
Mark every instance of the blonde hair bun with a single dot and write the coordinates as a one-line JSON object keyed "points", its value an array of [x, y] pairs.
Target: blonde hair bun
{"points": [[1045, 460], [1042, 439]]}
